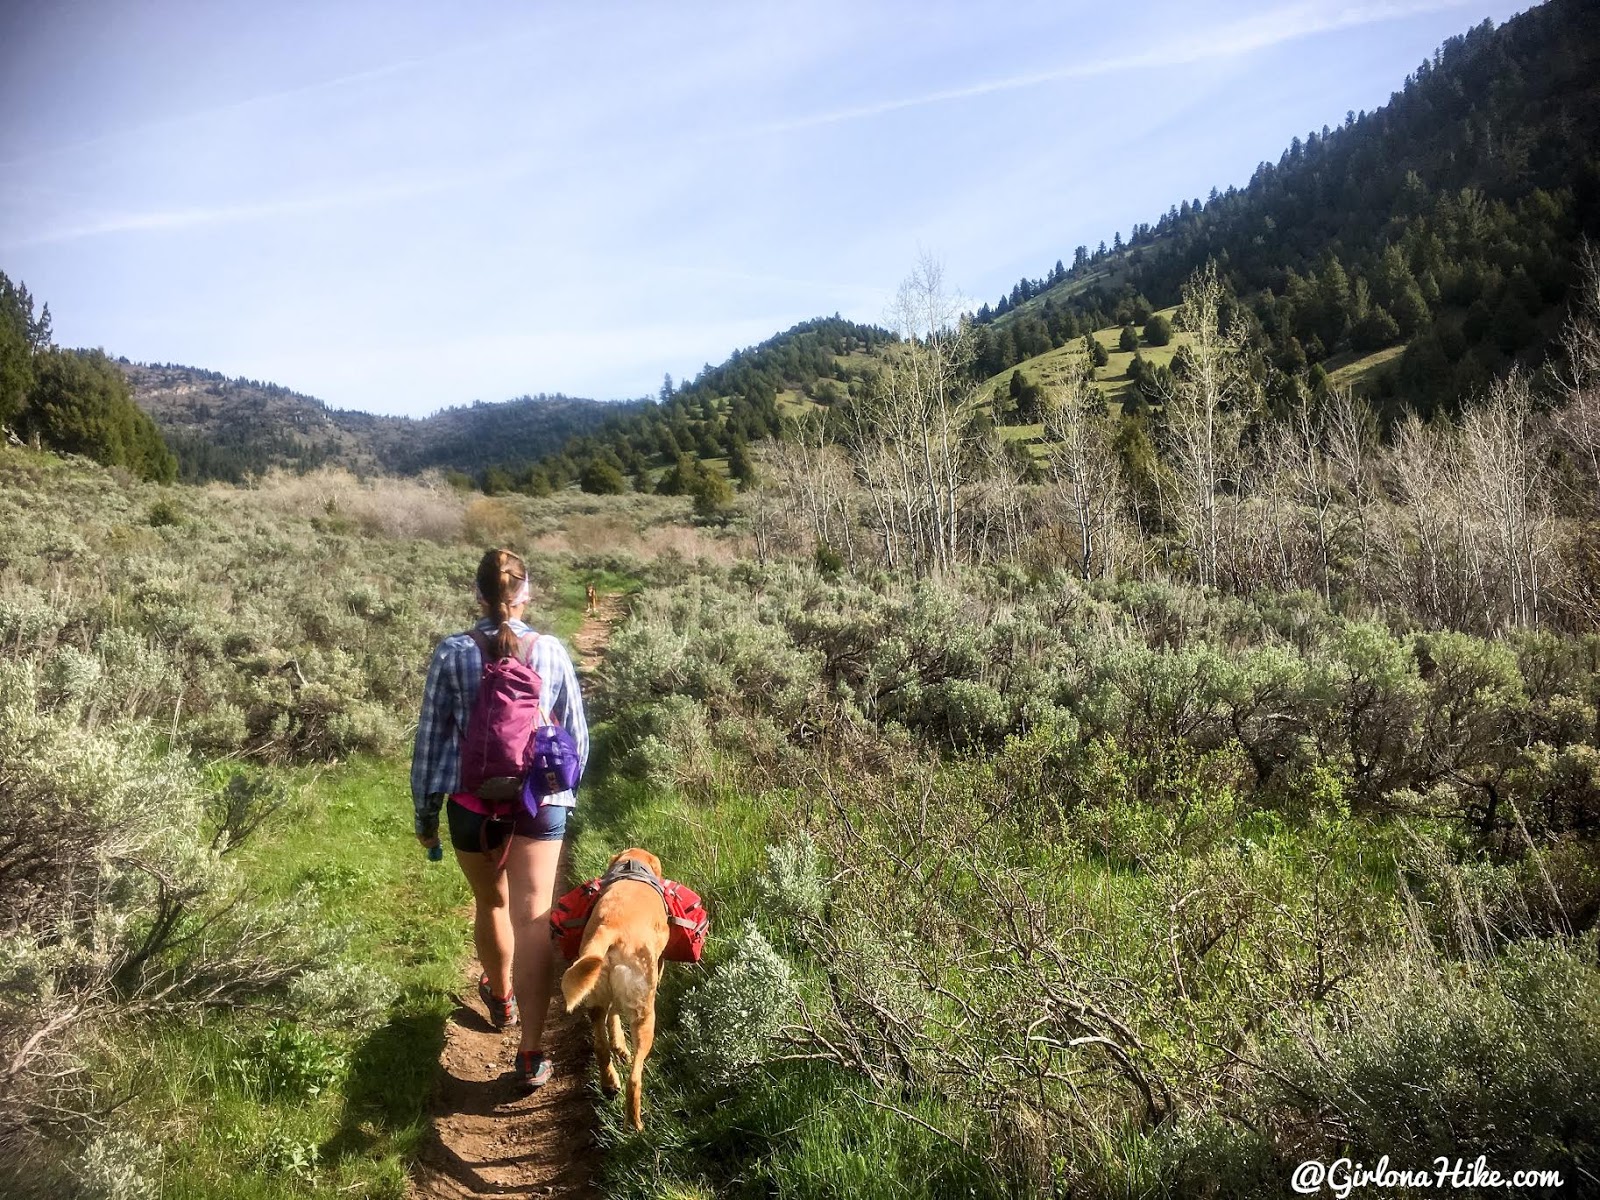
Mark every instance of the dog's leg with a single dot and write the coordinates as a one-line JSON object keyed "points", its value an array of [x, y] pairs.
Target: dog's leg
{"points": [[619, 1040], [602, 1051], [644, 1034]]}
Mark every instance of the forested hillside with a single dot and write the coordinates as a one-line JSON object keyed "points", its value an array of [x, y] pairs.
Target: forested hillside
{"points": [[222, 428], [666, 445], [1445, 222], [1417, 252], [71, 400]]}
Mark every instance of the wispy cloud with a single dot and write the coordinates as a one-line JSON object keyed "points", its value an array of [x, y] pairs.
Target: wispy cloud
{"points": [[248, 103], [1230, 41], [274, 99], [196, 216]]}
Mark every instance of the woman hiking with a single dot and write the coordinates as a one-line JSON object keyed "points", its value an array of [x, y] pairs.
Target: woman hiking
{"points": [[512, 885]]}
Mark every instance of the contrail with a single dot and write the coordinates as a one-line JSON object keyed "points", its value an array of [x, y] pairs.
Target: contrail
{"points": [[1243, 37]]}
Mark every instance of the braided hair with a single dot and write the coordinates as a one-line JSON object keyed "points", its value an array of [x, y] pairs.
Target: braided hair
{"points": [[502, 581]]}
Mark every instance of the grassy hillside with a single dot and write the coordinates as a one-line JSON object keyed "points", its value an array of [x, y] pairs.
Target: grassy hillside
{"points": [[1111, 380], [1360, 370]]}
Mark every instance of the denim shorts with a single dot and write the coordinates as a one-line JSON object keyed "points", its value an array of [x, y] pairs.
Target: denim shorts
{"points": [[473, 832]]}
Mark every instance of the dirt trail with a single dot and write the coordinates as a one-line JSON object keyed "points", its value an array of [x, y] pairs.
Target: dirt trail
{"points": [[488, 1138]]}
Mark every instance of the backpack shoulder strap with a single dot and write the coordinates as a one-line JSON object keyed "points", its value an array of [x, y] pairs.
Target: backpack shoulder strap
{"points": [[525, 647], [485, 647]]}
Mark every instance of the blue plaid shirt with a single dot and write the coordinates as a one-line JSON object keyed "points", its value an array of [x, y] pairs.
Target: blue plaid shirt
{"points": [[447, 700]]}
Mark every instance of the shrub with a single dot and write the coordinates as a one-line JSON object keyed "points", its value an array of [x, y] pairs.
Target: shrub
{"points": [[712, 493], [119, 1165], [70, 677], [343, 995], [28, 621], [600, 478], [110, 885], [1500, 1058], [792, 887], [491, 522], [729, 1021], [1372, 710]]}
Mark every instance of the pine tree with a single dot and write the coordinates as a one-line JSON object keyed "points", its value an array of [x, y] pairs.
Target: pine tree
{"points": [[17, 338], [740, 465], [80, 404], [600, 478]]}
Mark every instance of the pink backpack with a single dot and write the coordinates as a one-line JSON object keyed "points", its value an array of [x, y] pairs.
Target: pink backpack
{"points": [[495, 748]]}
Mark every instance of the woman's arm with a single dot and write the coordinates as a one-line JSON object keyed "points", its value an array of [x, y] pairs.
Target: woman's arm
{"points": [[567, 703], [435, 730]]}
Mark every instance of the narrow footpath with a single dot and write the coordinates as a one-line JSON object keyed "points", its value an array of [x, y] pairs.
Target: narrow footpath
{"points": [[488, 1139]]}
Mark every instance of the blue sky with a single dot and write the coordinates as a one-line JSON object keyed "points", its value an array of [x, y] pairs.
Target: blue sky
{"points": [[398, 207]]}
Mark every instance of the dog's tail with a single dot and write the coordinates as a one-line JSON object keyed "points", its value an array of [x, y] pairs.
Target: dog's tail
{"points": [[579, 979]]}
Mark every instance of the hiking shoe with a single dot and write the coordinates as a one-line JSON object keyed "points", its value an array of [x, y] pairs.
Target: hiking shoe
{"points": [[502, 1010], [533, 1069]]}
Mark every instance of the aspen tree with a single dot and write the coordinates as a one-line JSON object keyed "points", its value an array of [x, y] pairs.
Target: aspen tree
{"points": [[1204, 413]]}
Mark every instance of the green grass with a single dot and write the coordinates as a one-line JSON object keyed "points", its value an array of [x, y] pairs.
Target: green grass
{"points": [[209, 1094], [797, 1130], [231, 1101], [1355, 369], [794, 403], [1023, 433], [1110, 380]]}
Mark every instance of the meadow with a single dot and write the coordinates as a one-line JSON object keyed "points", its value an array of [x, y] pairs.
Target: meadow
{"points": [[1110, 381], [1140, 832], [1027, 886], [227, 965]]}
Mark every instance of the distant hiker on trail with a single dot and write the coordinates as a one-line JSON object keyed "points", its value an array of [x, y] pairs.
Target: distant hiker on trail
{"points": [[474, 757]]}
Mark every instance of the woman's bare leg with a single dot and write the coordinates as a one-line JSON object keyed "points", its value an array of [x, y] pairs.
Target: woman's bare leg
{"points": [[491, 917], [531, 877]]}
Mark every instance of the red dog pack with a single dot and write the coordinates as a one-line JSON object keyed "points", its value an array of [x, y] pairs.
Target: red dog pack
{"points": [[570, 914], [687, 919]]}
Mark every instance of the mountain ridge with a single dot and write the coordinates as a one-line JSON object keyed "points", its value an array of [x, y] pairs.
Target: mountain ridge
{"points": [[1445, 221], [228, 428], [1430, 243]]}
